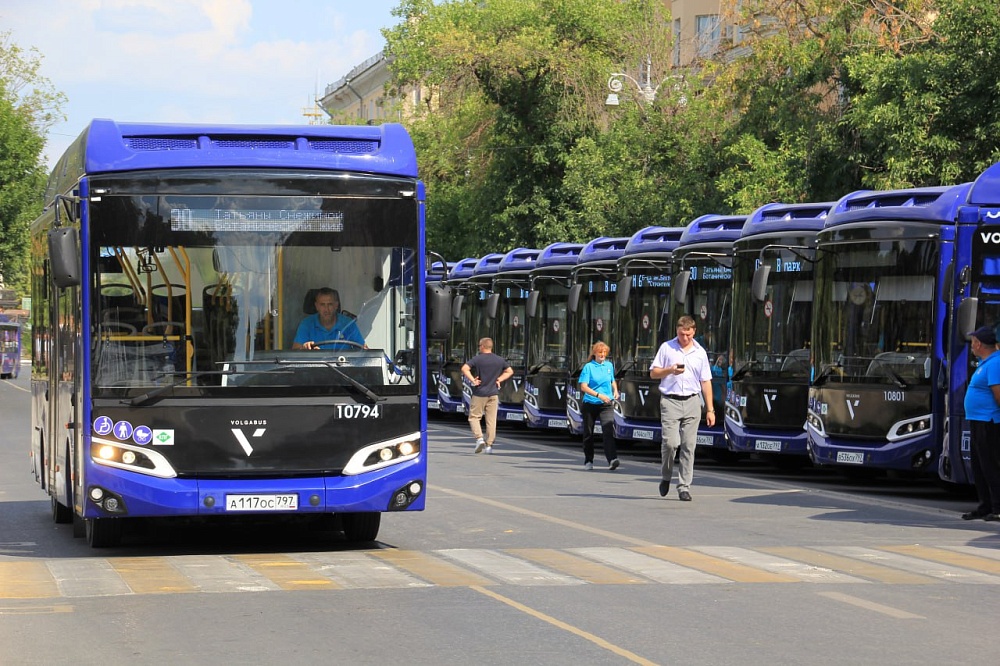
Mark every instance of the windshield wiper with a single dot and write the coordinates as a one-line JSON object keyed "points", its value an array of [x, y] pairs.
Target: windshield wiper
{"points": [[826, 372], [368, 393], [744, 369], [893, 375]]}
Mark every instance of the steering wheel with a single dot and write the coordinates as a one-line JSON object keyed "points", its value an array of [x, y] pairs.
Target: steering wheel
{"points": [[359, 345]]}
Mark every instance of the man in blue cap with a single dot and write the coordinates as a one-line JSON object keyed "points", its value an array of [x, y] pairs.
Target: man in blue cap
{"points": [[982, 411]]}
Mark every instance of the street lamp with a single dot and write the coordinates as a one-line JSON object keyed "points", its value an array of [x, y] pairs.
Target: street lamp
{"points": [[617, 81]]}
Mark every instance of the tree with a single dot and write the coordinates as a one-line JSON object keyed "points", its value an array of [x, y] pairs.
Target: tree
{"points": [[28, 107]]}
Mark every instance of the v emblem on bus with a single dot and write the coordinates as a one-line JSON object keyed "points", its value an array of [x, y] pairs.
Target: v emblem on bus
{"points": [[244, 442]]}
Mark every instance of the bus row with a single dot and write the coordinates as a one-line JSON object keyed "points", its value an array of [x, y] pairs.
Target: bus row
{"points": [[837, 331]]}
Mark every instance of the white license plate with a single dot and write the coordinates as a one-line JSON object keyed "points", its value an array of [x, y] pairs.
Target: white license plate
{"points": [[767, 445], [642, 434], [284, 502], [460, 409], [706, 440], [558, 423], [433, 404], [598, 429], [515, 416], [850, 457]]}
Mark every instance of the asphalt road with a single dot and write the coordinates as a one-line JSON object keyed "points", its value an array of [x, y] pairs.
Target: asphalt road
{"points": [[521, 557]]}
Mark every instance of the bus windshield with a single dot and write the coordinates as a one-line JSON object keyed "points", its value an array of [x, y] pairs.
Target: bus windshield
{"points": [[592, 321], [547, 345], [708, 301], [510, 322], [772, 338], [874, 312], [644, 323], [202, 286]]}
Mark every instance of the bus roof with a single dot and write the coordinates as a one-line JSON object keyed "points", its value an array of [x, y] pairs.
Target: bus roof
{"points": [[713, 229], [780, 217], [463, 268], [659, 240], [603, 249], [106, 146], [559, 254], [920, 204], [519, 259], [489, 264], [986, 190]]}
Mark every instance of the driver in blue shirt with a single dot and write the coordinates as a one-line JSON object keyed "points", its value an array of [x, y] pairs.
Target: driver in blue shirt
{"points": [[328, 325]]}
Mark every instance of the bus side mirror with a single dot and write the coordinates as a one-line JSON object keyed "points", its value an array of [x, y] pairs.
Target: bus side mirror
{"points": [[532, 306], [624, 287], [680, 286], [759, 287], [574, 297], [64, 250], [456, 307], [438, 312], [491, 306], [965, 318]]}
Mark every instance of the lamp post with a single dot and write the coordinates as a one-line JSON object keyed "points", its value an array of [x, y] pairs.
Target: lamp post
{"points": [[644, 87]]}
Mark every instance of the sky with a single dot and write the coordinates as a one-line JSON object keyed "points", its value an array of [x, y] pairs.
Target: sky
{"points": [[218, 61]]}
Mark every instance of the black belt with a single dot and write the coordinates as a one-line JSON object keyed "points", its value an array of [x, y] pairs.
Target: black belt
{"points": [[673, 396]]}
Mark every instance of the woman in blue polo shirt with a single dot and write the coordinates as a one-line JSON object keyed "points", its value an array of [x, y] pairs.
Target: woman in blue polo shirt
{"points": [[597, 383]]}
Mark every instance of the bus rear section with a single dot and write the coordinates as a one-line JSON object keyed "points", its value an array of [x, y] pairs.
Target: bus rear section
{"points": [[880, 330], [10, 349], [242, 332]]}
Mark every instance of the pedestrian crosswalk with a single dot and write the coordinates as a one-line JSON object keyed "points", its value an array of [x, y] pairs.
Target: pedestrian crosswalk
{"points": [[468, 567]]}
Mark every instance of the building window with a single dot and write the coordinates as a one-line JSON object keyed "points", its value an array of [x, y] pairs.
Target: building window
{"points": [[706, 34]]}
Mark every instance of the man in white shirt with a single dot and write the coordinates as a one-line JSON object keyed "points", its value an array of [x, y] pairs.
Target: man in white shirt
{"points": [[685, 377]]}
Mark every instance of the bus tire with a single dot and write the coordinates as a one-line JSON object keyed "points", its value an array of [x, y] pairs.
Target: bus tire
{"points": [[361, 526], [79, 526], [61, 514], [103, 532]]}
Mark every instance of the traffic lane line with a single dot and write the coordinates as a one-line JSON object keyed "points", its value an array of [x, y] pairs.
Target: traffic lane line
{"points": [[872, 606]]}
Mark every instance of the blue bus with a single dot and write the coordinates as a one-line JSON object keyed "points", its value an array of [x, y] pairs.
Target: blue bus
{"points": [[171, 268], [507, 307], [772, 323], [641, 326], [591, 305], [881, 314], [548, 337], [474, 298], [702, 288], [450, 382], [438, 342], [975, 293], [10, 349]]}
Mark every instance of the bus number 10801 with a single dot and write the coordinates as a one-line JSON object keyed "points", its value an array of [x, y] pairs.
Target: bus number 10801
{"points": [[358, 412]]}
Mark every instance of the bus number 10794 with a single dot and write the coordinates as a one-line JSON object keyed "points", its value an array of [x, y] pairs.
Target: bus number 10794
{"points": [[358, 412]]}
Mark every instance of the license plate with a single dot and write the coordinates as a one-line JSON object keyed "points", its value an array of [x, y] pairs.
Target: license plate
{"points": [[850, 457], [642, 434], [598, 429], [285, 502], [706, 440], [767, 445], [558, 423], [515, 416], [433, 404], [460, 409]]}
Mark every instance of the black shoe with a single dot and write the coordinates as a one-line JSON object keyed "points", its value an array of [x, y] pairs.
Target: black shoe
{"points": [[975, 515], [992, 517], [664, 488], [613, 465], [684, 495]]}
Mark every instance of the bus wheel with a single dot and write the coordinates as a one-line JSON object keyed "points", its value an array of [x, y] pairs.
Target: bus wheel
{"points": [[103, 532], [79, 527], [361, 526], [61, 514]]}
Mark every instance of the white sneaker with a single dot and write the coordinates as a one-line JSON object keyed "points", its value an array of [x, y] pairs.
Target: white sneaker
{"points": [[480, 445], [588, 466], [489, 449]]}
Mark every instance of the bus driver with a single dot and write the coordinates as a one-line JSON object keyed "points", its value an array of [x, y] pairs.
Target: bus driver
{"points": [[327, 325]]}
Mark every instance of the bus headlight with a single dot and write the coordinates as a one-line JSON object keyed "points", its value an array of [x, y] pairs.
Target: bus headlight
{"points": [[920, 425], [383, 454], [133, 458]]}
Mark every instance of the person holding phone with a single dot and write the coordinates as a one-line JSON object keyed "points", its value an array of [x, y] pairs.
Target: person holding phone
{"points": [[685, 375]]}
